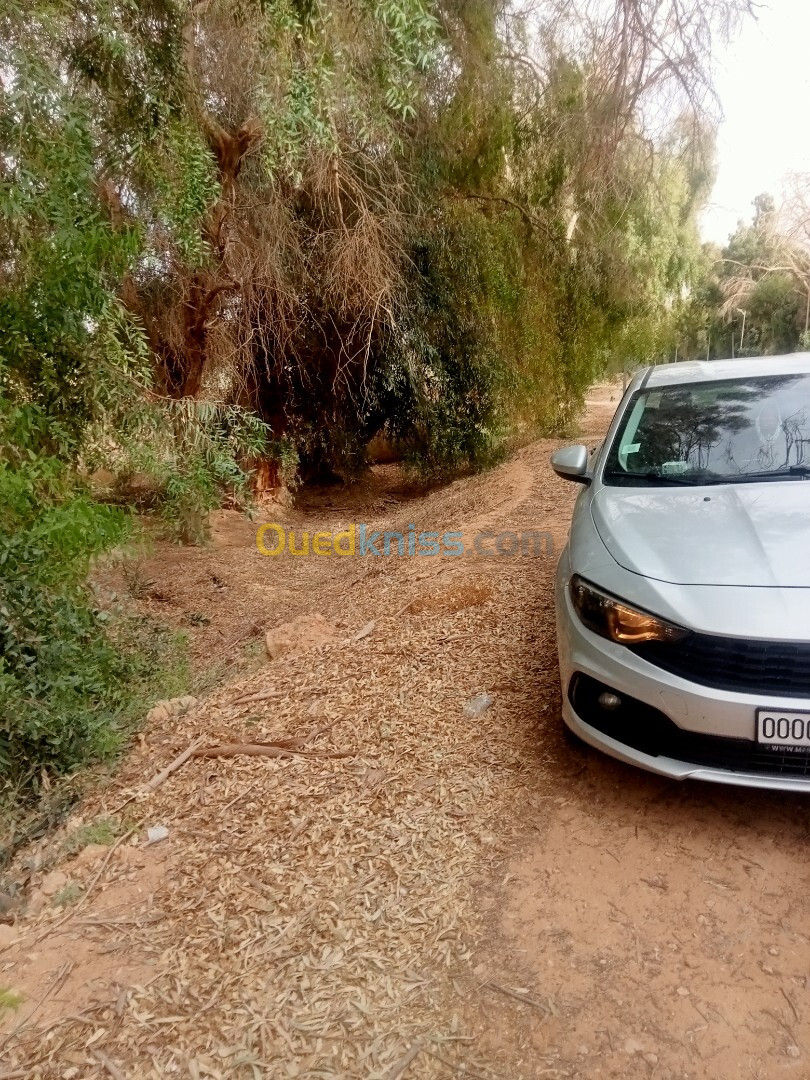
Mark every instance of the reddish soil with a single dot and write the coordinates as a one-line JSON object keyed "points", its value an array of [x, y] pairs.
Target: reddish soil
{"points": [[463, 896]]}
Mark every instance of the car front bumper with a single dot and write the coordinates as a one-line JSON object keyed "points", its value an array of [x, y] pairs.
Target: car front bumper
{"points": [[695, 716]]}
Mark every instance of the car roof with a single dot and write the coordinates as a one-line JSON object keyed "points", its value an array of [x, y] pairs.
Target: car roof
{"points": [[693, 371]]}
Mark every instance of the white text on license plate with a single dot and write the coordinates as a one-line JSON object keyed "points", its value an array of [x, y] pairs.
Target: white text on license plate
{"points": [[778, 728]]}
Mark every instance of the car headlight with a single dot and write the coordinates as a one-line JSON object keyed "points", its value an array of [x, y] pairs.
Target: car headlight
{"points": [[617, 621]]}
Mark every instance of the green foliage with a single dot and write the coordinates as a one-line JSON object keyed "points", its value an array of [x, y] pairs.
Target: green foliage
{"points": [[75, 372], [103, 830], [185, 186], [60, 321], [9, 1000], [775, 316], [68, 894], [410, 36], [747, 300], [71, 675], [351, 69], [188, 452], [448, 373], [52, 648]]}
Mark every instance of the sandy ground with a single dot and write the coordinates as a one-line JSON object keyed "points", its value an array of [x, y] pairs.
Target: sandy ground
{"points": [[461, 896]]}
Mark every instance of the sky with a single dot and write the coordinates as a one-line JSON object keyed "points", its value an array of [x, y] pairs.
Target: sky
{"points": [[763, 80]]}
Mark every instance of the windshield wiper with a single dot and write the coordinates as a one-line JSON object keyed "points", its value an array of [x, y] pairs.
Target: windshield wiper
{"points": [[798, 472], [653, 477]]}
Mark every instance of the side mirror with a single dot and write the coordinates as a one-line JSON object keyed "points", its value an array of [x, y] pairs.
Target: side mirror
{"points": [[571, 463]]}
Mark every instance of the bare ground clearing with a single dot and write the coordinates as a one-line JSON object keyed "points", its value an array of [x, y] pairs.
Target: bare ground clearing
{"points": [[382, 915]]}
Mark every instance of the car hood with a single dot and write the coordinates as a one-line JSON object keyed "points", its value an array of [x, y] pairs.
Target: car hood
{"points": [[745, 534]]}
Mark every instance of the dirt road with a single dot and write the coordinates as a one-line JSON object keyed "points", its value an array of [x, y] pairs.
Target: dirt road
{"points": [[408, 891]]}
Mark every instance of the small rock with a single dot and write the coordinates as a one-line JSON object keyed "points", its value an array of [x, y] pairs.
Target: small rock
{"points": [[169, 708], [767, 969], [478, 705], [8, 935], [9, 901], [682, 991], [156, 833], [633, 1046], [793, 1051], [90, 854], [651, 1059], [36, 902], [583, 1050], [774, 951], [53, 882], [33, 862]]}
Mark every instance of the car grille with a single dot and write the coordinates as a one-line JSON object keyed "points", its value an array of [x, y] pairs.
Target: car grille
{"points": [[779, 668], [649, 731]]}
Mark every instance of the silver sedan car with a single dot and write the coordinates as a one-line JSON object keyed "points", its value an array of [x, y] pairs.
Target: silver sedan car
{"points": [[683, 593]]}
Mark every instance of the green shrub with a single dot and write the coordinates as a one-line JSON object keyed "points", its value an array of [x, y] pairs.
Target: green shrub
{"points": [[70, 673], [446, 374], [9, 1000]]}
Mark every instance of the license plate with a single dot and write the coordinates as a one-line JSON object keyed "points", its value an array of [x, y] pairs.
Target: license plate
{"points": [[777, 728]]}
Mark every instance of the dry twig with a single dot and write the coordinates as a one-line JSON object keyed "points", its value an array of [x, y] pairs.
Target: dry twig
{"points": [[399, 1067], [266, 750], [110, 1066], [173, 766], [519, 997]]}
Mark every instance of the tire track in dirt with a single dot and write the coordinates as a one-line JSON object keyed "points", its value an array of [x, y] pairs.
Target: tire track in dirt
{"points": [[660, 929], [519, 478]]}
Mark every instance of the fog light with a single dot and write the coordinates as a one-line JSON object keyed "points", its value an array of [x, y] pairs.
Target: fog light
{"points": [[609, 701]]}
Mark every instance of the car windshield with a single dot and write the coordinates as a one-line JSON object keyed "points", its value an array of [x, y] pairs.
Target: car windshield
{"points": [[729, 431]]}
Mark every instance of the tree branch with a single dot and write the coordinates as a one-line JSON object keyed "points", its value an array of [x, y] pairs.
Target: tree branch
{"points": [[528, 217]]}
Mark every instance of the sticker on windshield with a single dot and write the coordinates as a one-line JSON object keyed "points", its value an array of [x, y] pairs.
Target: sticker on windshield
{"points": [[631, 448], [674, 468]]}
